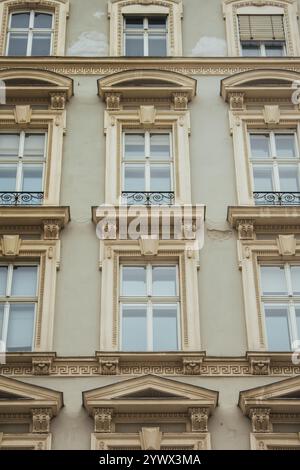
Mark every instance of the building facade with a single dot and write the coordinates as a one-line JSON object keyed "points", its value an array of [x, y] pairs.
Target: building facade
{"points": [[150, 342]]}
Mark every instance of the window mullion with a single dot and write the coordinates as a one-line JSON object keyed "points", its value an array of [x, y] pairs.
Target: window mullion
{"points": [[262, 50], [150, 326], [20, 161], [293, 324], [276, 177], [146, 43], [288, 276], [5, 322], [9, 279]]}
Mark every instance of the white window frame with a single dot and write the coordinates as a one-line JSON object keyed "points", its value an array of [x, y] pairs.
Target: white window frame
{"points": [[7, 300], [147, 162], [150, 300], [273, 160], [30, 30], [19, 163], [290, 300], [145, 33]]}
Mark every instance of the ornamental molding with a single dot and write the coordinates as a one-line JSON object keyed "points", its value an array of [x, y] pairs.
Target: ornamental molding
{"points": [[186, 66], [168, 365]]}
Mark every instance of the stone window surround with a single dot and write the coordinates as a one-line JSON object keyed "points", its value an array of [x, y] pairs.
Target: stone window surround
{"points": [[60, 9], [117, 9], [112, 253], [288, 8]]}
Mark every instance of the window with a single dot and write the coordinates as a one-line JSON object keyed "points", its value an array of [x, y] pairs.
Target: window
{"points": [[149, 306], [22, 167], [30, 33], [18, 294], [262, 35], [275, 162], [280, 291], [145, 36], [147, 168]]}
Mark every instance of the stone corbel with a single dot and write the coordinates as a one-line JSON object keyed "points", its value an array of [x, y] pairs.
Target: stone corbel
{"points": [[260, 366], [237, 101], [11, 245], [51, 229], [41, 418], [150, 438], [271, 114], [41, 365], [149, 245], [109, 365], [192, 366], [147, 115], [113, 101], [22, 115], [245, 229], [199, 419], [260, 419], [103, 419], [180, 101], [58, 100], [287, 245]]}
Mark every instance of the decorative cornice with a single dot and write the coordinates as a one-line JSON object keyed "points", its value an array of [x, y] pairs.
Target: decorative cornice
{"points": [[132, 364], [223, 66]]}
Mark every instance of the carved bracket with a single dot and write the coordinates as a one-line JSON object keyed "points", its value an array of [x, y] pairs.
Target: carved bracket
{"points": [[237, 101], [150, 438], [192, 366], [11, 245], [41, 365], [51, 229], [41, 418], [23, 115], [260, 419], [58, 100], [180, 101], [109, 365], [260, 366], [199, 419], [113, 101], [245, 229], [103, 419]]}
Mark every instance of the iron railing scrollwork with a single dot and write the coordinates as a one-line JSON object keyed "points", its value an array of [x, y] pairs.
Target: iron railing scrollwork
{"points": [[21, 198], [148, 198], [277, 198]]}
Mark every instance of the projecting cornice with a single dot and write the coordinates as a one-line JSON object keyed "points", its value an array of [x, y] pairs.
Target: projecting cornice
{"points": [[223, 66]]}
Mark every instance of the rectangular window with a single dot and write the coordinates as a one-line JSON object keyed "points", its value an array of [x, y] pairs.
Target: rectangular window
{"points": [[145, 36], [149, 308], [30, 33], [147, 168], [280, 295], [262, 35], [22, 167], [18, 303], [275, 163]]}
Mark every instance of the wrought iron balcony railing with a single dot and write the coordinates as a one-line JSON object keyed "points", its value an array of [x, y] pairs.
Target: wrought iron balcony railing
{"points": [[277, 198], [148, 198], [21, 198]]}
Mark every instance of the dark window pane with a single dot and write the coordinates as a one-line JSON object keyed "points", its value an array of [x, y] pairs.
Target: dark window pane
{"points": [[20, 20], [165, 334], [20, 327], [134, 45], [250, 49], [42, 20], [157, 22], [274, 49], [134, 22], [157, 45], [17, 44], [134, 328], [41, 44], [277, 328]]}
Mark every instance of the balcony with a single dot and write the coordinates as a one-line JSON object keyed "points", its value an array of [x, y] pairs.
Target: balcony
{"points": [[148, 198], [276, 198], [21, 198]]}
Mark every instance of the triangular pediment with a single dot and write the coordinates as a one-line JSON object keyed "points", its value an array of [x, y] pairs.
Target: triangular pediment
{"points": [[278, 396], [150, 389], [19, 396]]}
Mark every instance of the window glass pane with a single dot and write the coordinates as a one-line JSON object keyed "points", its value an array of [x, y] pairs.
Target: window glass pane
{"points": [[289, 178], [295, 273], [8, 177], [263, 178], [277, 328], [157, 22], [134, 281], [1, 322], [250, 49], [134, 178], [18, 44], [134, 22], [157, 45], [298, 320], [32, 178], [165, 334], [134, 328], [24, 281], [259, 144], [160, 178], [41, 44], [134, 146], [160, 146], [34, 145], [20, 327], [42, 20], [164, 281], [3, 280], [273, 281], [274, 49], [20, 20], [285, 145], [134, 45], [9, 145]]}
